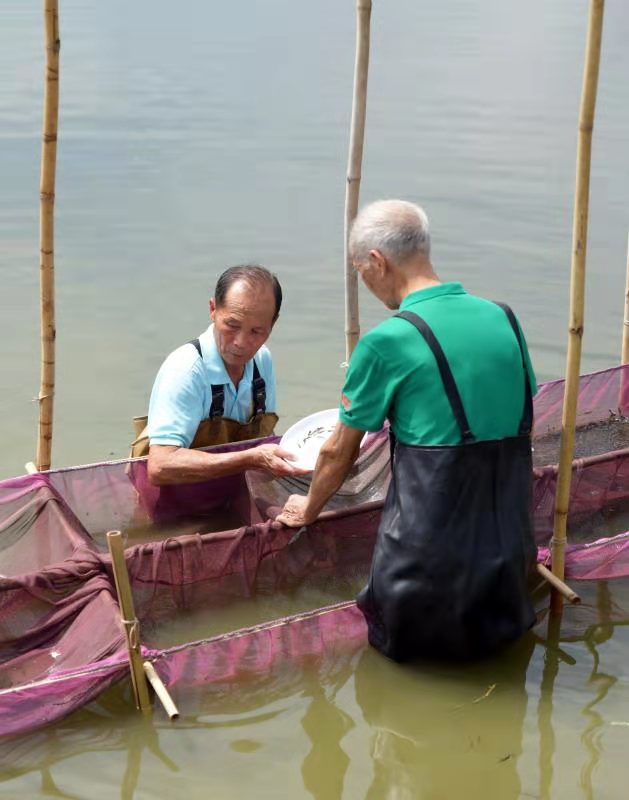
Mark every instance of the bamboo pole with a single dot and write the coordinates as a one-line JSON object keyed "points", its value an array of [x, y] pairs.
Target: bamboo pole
{"points": [[46, 233], [129, 620], [354, 165], [558, 585], [577, 290], [160, 690], [625, 328]]}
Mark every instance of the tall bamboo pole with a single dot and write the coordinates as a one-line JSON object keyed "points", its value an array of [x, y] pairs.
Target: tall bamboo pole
{"points": [[46, 232], [625, 327], [577, 289], [355, 160]]}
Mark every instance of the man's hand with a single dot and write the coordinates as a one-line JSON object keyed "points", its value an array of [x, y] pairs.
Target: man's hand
{"points": [[295, 513], [273, 459]]}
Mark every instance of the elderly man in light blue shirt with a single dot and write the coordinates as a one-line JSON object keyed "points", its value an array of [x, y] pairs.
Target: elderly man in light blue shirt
{"points": [[182, 396], [220, 387]]}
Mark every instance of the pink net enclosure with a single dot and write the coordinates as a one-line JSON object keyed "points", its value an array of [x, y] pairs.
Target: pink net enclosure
{"points": [[269, 596]]}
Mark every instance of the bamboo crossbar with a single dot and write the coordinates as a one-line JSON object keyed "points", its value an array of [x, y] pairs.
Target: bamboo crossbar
{"points": [[46, 233], [558, 585], [354, 167], [129, 621], [161, 691], [577, 290]]}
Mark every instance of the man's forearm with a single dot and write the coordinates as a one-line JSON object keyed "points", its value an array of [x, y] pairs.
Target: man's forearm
{"points": [[182, 465], [333, 466]]}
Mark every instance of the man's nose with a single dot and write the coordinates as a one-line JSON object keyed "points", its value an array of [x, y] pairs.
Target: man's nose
{"points": [[240, 340]]}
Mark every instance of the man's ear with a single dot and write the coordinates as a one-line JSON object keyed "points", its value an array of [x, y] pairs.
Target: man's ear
{"points": [[378, 261], [212, 308]]}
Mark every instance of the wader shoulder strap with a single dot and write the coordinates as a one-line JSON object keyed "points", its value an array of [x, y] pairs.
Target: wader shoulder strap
{"points": [[449, 384], [218, 392], [258, 392], [526, 423], [197, 346]]}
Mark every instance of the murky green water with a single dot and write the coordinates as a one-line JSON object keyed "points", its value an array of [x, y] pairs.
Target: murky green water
{"points": [[547, 720], [199, 136]]}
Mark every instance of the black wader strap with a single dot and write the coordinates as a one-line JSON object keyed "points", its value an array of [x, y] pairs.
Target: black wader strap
{"points": [[526, 423], [449, 384], [258, 390], [197, 346], [217, 409], [218, 392]]}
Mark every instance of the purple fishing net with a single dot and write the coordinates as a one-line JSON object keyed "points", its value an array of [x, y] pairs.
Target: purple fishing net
{"points": [[212, 545]]}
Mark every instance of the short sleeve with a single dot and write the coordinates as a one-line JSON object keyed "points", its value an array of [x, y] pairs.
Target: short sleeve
{"points": [[177, 401], [368, 390]]}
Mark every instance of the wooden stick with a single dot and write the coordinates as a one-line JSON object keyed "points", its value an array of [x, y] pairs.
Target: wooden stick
{"points": [[30, 468], [577, 291], [355, 159], [46, 234], [625, 328], [559, 585], [161, 691], [129, 621]]}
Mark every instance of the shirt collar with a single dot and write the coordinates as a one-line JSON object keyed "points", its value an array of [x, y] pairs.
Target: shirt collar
{"points": [[432, 291]]}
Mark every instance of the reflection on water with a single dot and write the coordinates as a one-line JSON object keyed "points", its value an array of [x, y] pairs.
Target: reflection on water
{"points": [[536, 722]]}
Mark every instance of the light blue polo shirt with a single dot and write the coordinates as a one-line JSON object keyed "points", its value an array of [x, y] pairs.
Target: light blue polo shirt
{"points": [[182, 394]]}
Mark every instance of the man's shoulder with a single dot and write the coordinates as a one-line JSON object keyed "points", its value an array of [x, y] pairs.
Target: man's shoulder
{"points": [[381, 337], [383, 345], [182, 362]]}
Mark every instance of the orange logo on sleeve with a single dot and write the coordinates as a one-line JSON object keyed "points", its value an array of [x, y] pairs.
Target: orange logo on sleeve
{"points": [[345, 402]]}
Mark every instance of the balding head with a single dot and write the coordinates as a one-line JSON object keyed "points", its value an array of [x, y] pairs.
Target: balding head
{"points": [[395, 228]]}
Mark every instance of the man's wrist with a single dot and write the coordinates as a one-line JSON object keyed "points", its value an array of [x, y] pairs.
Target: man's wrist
{"points": [[311, 511], [255, 458]]}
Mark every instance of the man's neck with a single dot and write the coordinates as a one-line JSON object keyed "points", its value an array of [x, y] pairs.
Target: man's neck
{"points": [[235, 374], [417, 282], [420, 282]]}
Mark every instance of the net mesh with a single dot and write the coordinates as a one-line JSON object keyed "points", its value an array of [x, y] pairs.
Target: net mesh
{"points": [[212, 546]]}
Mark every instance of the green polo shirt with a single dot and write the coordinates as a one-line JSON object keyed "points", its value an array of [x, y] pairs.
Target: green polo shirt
{"points": [[393, 374]]}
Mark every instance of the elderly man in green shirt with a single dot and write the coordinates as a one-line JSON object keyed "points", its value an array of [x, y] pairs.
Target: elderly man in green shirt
{"points": [[452, 375]]}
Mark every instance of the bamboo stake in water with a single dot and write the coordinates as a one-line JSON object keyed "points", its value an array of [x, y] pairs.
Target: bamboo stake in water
{"points": [[352, 189], [46, 234], [625, 328], [577, 290], [129, 621]]}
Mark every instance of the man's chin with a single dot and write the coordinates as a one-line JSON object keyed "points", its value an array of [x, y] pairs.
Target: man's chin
{"points": [[235, 361]]}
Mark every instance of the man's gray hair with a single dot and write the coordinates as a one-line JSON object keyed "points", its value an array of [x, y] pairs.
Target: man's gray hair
{"points": [[397, 228]]}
